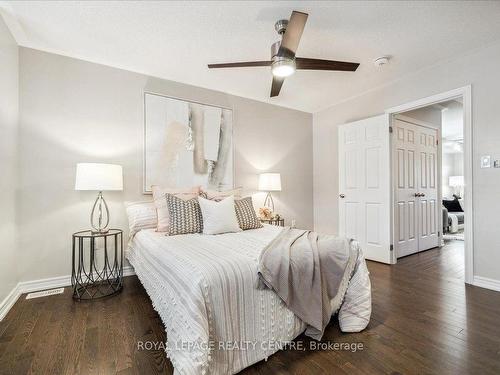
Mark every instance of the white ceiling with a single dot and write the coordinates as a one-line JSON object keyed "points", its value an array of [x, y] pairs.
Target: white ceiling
{"points": [[176, 40]]}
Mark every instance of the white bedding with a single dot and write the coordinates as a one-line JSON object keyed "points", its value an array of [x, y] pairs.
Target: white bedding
{"points": [[204, 289]]}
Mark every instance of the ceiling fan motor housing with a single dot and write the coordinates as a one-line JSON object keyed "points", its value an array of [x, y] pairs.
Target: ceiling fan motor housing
{"points": [[274, 49], [285, 54], [280, 59]]}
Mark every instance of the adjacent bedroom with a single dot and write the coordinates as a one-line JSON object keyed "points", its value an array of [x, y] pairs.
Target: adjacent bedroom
{"points": [[249, 187]]}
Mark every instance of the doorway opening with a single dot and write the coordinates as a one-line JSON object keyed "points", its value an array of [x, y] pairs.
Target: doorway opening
{"points": [[432, 204]]}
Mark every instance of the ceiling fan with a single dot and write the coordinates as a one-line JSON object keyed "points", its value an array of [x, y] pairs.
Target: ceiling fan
{"points": [[283, 61]]}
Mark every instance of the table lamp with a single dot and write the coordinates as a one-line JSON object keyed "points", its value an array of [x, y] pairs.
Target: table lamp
{"points": [[269, 182], [99, 177], [456, 182]]}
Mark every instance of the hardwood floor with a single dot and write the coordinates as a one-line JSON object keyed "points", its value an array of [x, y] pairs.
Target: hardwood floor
{"points": [[424, 321]]}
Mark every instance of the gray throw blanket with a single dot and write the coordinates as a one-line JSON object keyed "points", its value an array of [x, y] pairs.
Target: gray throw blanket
{"points": [[310, 273]]}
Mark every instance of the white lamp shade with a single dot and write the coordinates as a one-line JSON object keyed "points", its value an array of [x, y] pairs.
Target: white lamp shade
{"points": [[98, 177], [456, 181], [270, 182]]}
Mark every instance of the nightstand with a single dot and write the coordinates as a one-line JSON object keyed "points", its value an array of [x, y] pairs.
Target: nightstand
{"points": [[279, 222], [97, 264]]}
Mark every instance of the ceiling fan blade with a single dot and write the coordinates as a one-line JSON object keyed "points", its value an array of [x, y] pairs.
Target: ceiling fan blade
{"points": [[276, 85], [240, 64], [317, 64], [293, 33]]}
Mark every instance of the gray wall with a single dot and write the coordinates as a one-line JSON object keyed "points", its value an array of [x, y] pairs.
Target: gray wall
{"points": [[9, 96], [480, 69], [75, 111]]}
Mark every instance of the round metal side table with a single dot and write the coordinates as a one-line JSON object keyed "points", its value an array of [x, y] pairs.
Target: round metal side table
{"points": [[97, 264]]}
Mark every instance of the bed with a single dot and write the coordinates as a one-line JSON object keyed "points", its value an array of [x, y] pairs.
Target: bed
{"points": [[204, 289]]}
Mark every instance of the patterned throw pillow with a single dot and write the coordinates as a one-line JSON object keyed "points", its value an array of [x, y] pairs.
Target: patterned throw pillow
{"points": [[161, 204], [185, 215], [245, 213]]}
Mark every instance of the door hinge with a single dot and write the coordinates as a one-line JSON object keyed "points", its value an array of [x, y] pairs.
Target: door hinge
{"points": [[390, 129], [391, 247], [437, 142]]}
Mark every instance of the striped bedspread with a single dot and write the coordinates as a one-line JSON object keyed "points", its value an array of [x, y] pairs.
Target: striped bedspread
{"points": [[204, 289]]}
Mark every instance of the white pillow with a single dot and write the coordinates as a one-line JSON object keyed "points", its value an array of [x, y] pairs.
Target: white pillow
{"points": [[218, 217], [141, 215], [462, 204]]}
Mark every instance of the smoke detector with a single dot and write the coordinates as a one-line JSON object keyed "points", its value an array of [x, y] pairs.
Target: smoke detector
{"points": [[381, 61]]}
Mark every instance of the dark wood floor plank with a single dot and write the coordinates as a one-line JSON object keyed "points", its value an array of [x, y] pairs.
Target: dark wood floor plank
{"points": [[424, 321], [15, 358], [72, 341]]}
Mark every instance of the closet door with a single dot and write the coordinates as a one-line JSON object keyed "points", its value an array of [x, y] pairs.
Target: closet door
{"points": [[364, 185], [416, 208], [405, 178], [428, 189]]}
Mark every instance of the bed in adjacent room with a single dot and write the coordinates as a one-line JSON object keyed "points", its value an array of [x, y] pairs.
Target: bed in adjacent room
{"points": [[205, 289]]}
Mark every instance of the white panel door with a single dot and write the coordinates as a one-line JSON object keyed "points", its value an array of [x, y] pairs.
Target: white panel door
{"points": [[364, 185], [416, 207], [405, 170], [429, 209]]}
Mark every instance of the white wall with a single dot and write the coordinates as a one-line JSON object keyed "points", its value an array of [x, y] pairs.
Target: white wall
{"points": [[452, 135], [75, 111], [452, 165], [452, 119], [429, 114], [480, 69], [9, 97]]}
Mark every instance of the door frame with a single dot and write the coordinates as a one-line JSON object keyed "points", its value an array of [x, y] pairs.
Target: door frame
{"points": [[465, 93]]}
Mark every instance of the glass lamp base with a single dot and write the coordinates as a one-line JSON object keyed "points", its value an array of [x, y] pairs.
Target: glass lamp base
{"points": [[102, 231], [269, 202], [103, 215]]}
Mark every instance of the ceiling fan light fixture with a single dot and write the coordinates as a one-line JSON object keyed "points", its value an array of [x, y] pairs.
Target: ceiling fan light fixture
{"points": [[283, 61], [283, 67]]}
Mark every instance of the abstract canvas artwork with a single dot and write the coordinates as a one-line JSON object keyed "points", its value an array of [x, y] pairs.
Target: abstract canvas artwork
{"points": [[187, 144]]}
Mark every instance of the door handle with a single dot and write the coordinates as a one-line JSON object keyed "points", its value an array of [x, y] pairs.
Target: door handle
{"points": [[422, 194], [342, 195]]}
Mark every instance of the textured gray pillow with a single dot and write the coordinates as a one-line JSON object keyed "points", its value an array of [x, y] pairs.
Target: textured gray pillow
{"points": [[247, 218], [185, 216]]}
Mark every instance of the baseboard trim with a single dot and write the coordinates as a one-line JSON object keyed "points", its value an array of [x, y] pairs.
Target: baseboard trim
{"points": [[41, 284], [484, 282], [9, 301], [128, 271]]}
